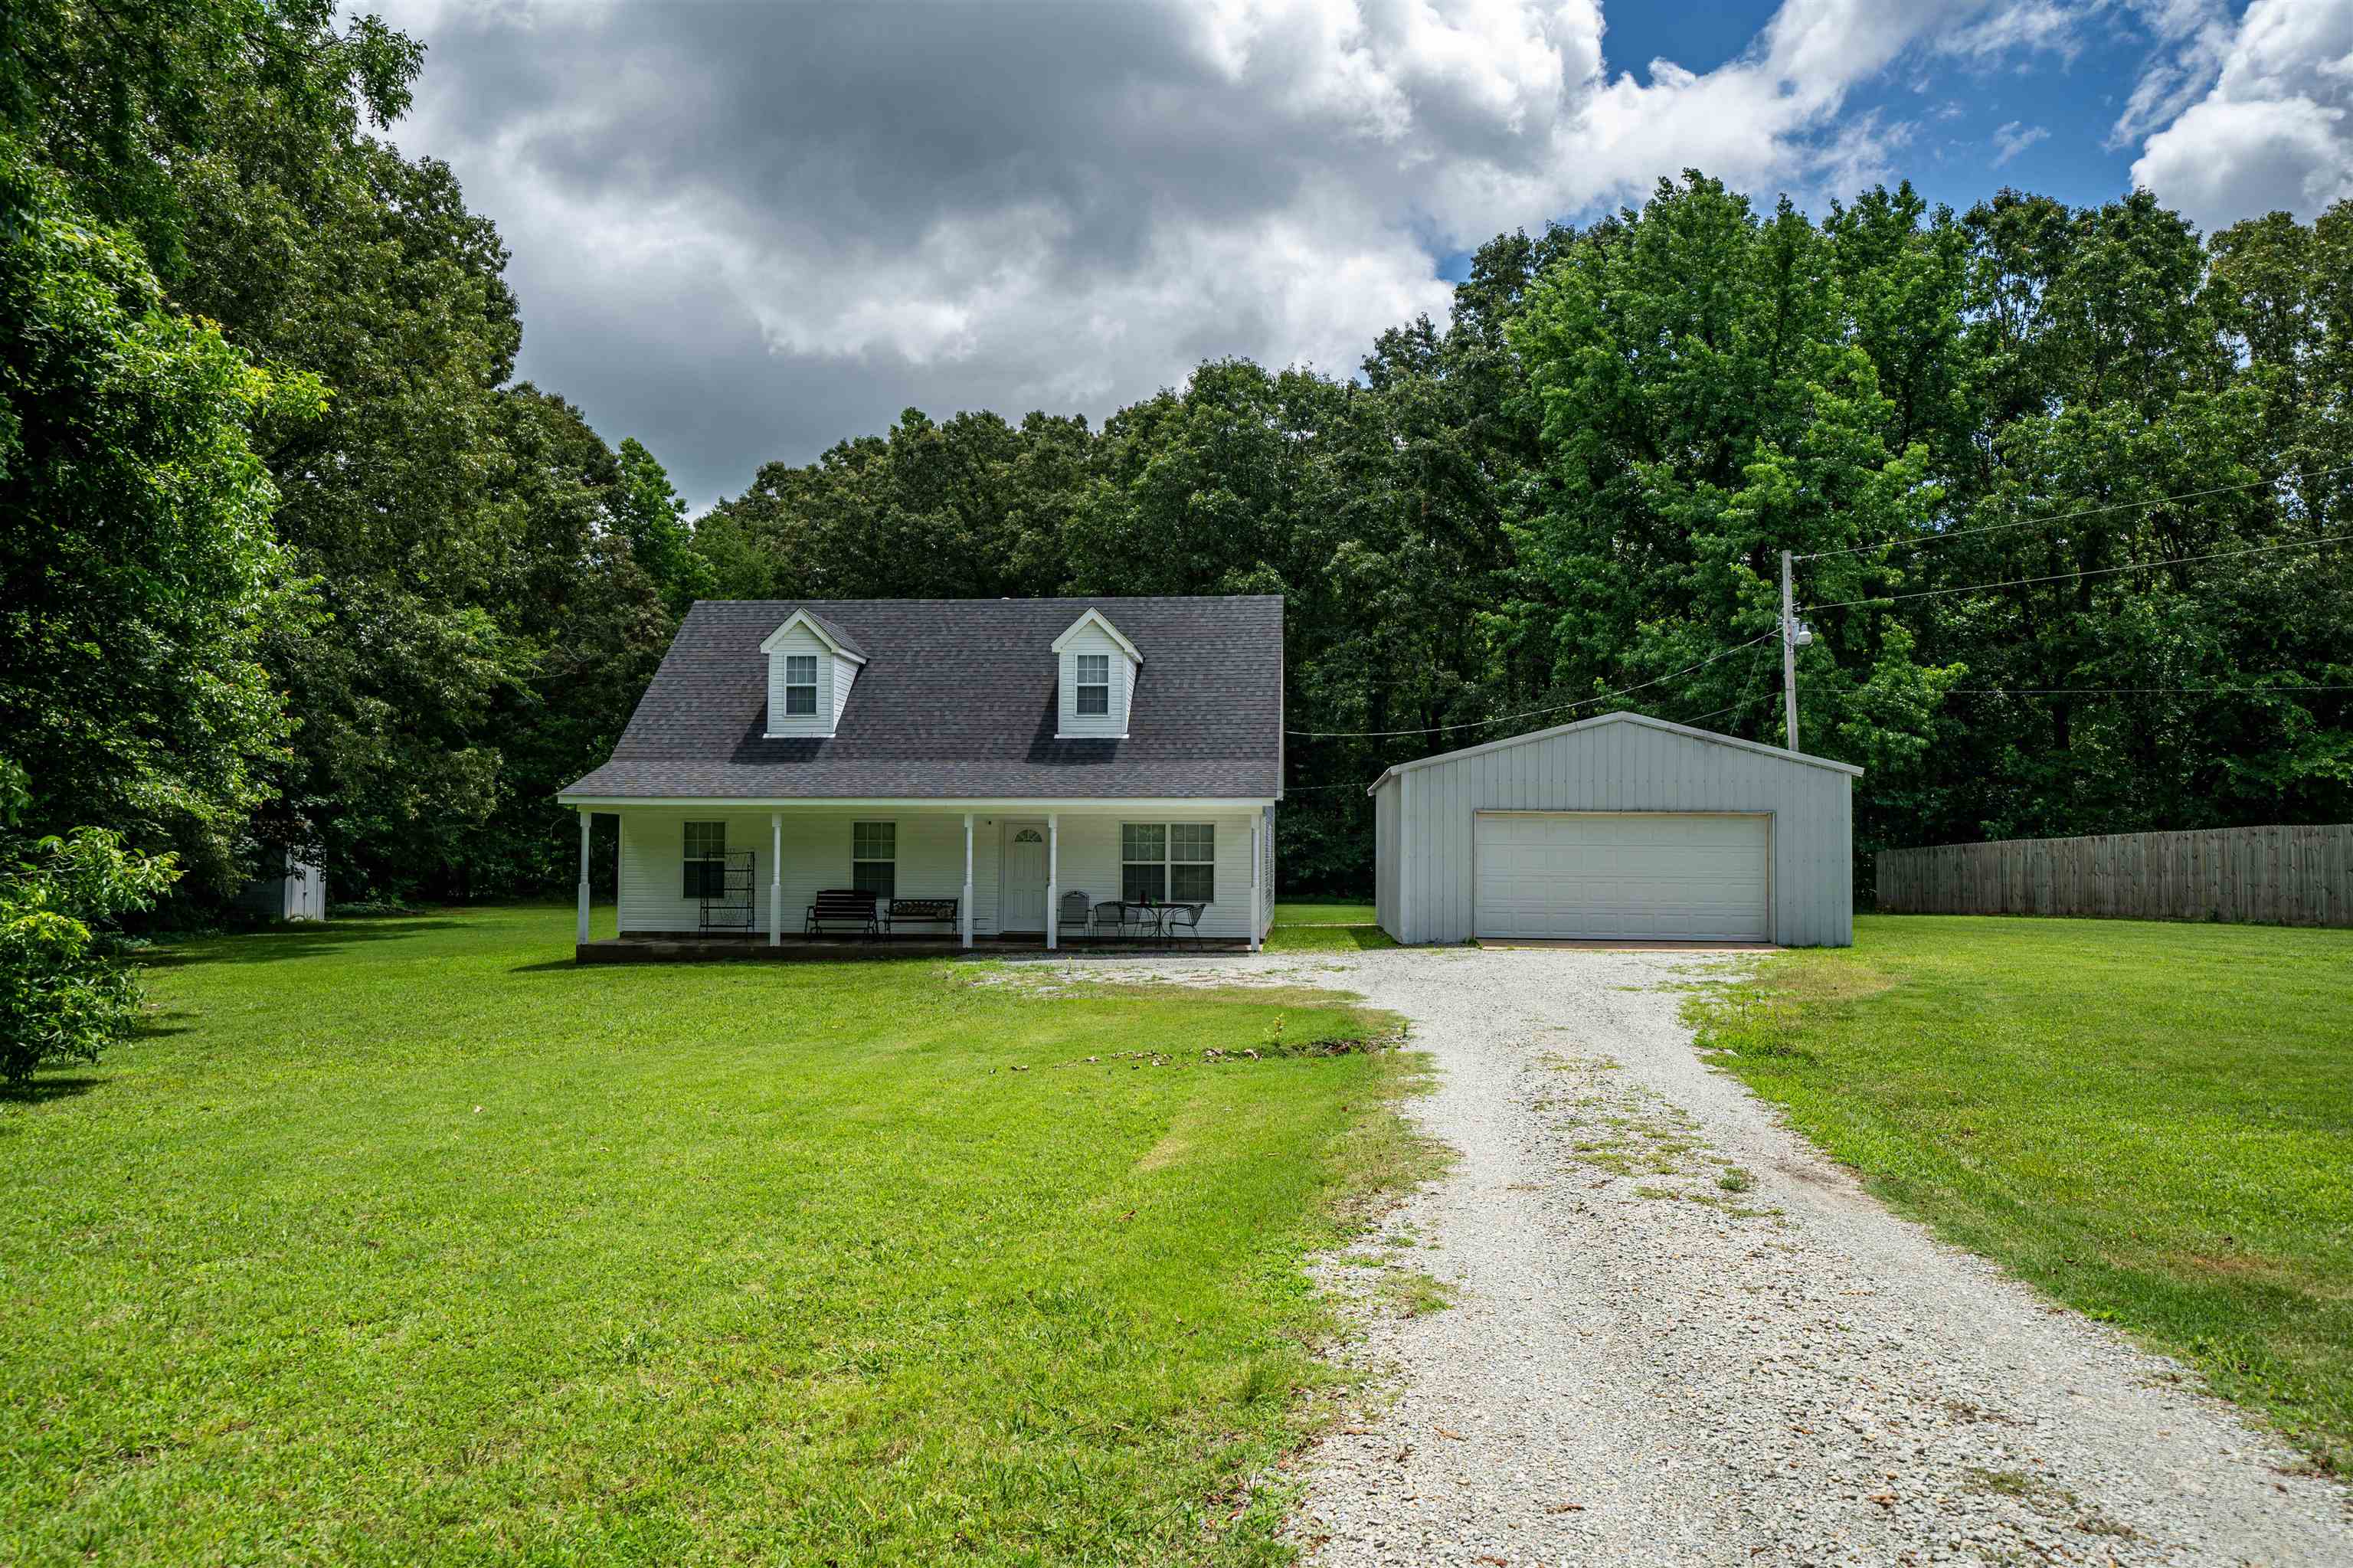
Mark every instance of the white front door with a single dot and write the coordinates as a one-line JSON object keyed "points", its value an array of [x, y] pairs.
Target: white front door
{"points": [[1021, 891], [1686, 874]]}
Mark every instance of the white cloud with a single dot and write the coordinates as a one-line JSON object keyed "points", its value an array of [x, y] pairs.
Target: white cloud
{"points": [[2015, 26], [1020, 205], [2012, 139], [2273, 129]]}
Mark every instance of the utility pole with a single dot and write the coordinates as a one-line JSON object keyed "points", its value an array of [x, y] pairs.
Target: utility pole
{"points": [[1795, 635]]}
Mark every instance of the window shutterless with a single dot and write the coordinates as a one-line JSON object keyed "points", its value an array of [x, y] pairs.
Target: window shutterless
{"points": [[706, 859], [874, 858], [1094, 683], [800, 682], [1168, 863]]}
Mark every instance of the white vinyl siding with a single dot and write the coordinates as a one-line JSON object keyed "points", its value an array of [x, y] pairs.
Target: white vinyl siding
{"points": [[1076, 671], [845, 675]]}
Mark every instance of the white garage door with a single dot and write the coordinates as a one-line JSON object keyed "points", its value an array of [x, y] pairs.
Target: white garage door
{"points": [[1597, 874]]}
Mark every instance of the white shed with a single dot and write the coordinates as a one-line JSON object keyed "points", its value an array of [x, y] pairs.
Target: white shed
{"points": [[1619, 827], [288, 889]]}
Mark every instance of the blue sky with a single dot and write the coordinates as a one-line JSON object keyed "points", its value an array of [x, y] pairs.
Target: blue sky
{"points": [[744, 231]]}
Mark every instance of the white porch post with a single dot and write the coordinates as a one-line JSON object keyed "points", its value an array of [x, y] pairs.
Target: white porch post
{"points": [[1258, 927], [964, 908], [776, 878], [1053, 877], [580, 927]]}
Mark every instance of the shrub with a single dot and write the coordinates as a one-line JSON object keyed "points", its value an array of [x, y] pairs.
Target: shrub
{"points": [[66, 992]]}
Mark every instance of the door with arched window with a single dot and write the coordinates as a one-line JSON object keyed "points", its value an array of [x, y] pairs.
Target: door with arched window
{"points": [[1021, 888]]}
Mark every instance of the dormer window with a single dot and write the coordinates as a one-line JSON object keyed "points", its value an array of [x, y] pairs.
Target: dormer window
{"points": [[1094, 683], [800, 684], [1096, 669], [812, 665]]}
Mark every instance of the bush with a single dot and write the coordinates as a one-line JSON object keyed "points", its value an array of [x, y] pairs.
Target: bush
{"points": [[66, 992]]}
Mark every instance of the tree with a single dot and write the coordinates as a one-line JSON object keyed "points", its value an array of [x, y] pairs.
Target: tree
{"points": [[119, 97], [1707, 403], [138, 569], [651, 515]]}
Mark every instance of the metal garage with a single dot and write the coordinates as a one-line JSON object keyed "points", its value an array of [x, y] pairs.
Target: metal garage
{"points": [[1620, 827]]}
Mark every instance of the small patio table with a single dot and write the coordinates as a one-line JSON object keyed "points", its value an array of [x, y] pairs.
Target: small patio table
{"points": [[1142, 913]]}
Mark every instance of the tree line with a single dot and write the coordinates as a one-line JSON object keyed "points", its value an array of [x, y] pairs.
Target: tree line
{"points": [[288, 560], [2067, 484]]}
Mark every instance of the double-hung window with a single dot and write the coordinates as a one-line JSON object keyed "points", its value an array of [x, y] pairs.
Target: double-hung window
{"points": [[1168, 863], [706, 859], [874, 858], [1095, 685], [800, 684]]}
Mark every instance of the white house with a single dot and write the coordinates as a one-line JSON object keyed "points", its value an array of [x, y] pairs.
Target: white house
{"points": [[957, 767]]}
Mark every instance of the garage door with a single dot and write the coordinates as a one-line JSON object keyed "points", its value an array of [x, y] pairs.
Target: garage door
{"points": [[1596, 873]]}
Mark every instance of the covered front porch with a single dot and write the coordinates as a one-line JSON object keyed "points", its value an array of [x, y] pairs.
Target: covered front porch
{"points": [[795, 948], [773, 879]]}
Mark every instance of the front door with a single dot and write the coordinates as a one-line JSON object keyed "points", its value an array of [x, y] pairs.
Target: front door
{"points": [[1022, 891]]}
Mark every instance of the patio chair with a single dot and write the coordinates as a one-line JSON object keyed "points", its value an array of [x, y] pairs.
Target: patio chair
{"points": [[1074, 912], [1110, 913], [1184, 918]]}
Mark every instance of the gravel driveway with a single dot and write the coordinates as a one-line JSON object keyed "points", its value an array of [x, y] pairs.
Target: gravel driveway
{"points": [[1644, 1366]]}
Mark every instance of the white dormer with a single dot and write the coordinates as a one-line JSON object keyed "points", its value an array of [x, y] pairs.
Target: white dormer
{"points": [[1097, 680], [812, 664]]}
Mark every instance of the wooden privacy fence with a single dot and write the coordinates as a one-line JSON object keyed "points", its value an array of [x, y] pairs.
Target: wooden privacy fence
{"points": [[2284, 876]]}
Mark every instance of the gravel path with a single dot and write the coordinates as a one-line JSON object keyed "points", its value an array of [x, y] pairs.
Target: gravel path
{"points": [[1643, 1366]]}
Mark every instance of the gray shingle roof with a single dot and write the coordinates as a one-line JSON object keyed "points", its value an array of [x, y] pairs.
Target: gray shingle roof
{"points": [[842, 640], [958, 699]]}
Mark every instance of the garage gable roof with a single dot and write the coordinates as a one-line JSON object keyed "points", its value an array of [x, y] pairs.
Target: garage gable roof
{"points": [[1600, 719]]}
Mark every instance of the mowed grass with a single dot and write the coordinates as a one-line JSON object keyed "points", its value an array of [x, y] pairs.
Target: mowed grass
{"points": [[2152, 1122], [1317, 925], [408, 1240], [1316, 910]]}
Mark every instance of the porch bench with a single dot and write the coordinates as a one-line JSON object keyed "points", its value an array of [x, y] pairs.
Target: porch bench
{"points": [[920, 912], [844, 906]]}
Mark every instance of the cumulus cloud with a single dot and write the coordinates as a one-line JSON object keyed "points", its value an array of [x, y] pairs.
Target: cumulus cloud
{"points": [[2272, 127], [745, 231]]}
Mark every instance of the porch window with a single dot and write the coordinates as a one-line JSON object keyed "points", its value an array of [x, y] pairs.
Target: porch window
{"points": [[800, 684], [1168, 862], [1094, 683], [874, 858], [706, 859]]}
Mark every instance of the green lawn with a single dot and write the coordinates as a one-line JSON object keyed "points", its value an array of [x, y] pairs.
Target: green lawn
{"points": [[1316, 925], [408, 1239], [2152, 1122], [1315, 910]]}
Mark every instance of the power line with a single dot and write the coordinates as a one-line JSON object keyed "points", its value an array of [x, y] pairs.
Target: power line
{"points": [[1532, 712], [1749, 694], [2069, 516], [2093, 572], [2138, 691]]}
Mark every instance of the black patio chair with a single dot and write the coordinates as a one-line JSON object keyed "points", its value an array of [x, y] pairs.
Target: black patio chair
{"points": [[1186, 917], [1074, 913], [1110, 912]]}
